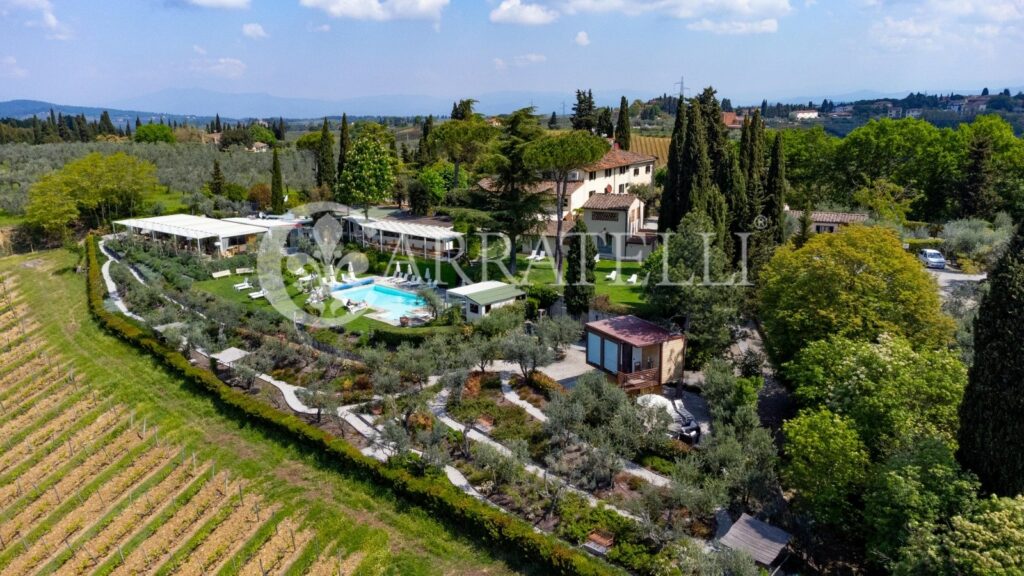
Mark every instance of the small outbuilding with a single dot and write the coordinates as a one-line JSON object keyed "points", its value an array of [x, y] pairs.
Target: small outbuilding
{"points": [[479, 299], [640, 355], [760, 540]]}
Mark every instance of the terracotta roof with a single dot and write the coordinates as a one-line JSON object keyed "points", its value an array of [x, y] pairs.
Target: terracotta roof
{"points": [[833, 217], [546, 186], [632, 330], [616, 158], [610, 202], [763, 542]]}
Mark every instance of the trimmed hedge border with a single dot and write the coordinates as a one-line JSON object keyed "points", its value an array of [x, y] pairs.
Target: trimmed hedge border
{"points": [[441, 498]]}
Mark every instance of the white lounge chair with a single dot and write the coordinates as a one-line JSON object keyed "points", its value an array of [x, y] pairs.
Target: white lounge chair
{"points": [[540, 256], [243, 285], [597, 258], [413, 282], [614, 274], [258, 294], [631, 280], [533, 254]]}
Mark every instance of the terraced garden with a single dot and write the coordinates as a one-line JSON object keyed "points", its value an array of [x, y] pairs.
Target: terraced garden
{"points": [[111, 466]]}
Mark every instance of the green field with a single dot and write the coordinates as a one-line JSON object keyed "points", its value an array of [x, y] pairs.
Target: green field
{"points": [[325, 512]]}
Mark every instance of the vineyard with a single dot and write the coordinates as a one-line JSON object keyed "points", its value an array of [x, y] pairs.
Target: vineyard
{"points": [[94, 482], [656, 146]]}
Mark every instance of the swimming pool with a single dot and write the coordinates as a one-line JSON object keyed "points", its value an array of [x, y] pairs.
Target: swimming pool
{"points": [[390, 302]]}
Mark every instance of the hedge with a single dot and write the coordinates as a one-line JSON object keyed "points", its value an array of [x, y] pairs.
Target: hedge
{"points": [[441, 498], [916, 244]]}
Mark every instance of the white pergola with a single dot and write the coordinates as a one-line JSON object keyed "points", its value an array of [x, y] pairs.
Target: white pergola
{"points": [[440, 236], [191, 228]]}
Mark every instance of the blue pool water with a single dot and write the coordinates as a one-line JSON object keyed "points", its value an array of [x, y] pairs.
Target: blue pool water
{"points": [[390, 302]]}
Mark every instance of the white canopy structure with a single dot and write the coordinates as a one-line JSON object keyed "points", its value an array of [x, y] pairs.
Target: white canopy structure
{"points": [[415, 238], [194, 229]]}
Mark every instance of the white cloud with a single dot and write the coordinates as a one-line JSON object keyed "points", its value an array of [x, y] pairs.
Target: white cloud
{"points": [[221, 67], [516, 12], [254, 30], [229, 4], [322, 28], [582, 38], [521, 61], [897, 34], [766, 26], [380, 9], [199, 49], [749, 9], [47, 18], [9, 68], [946, 25]]}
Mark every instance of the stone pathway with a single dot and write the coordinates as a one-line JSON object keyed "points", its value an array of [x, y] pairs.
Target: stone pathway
{"points": [[513, 397], [112, 287]]}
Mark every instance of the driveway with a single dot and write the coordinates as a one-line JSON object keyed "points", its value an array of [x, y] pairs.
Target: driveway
{"points": [[565, 371], [949, 278]]}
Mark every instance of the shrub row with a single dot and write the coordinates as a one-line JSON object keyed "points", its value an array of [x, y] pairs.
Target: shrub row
{"points": [[914, 245], [432, 494], [413, 335]]}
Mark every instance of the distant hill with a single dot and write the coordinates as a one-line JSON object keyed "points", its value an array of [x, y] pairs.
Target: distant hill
{"points": [[24, 109]]}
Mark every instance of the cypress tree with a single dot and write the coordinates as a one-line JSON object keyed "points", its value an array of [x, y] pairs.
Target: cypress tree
{"points": [[775, 193], [138, 123], [622, 127], [425, 148], [695, 166], [977, 197], [344, 142], [805, 226], [583, 113], [670, 212], [216, 180], [216, 124], [553, 121], [579, 287], [106, 126], [752, 164], [991, 434], [604, 123], [276, 186], [325, 166]]}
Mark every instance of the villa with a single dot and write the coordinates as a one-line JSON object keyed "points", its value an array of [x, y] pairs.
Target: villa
{"points": [[618, 219], [640, 355], [478, 300]]}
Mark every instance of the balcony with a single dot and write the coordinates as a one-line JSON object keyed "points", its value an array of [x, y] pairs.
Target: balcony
{"points": [[640, 381]]}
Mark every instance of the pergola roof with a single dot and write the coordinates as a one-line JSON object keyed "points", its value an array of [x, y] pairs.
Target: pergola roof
{"points": [[192, 227], [763, 542], [410, 229], [229, 356], [268, 223]]}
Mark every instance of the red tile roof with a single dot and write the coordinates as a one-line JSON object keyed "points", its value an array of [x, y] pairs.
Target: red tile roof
{"points": [[616, 158], [610, 202], [632, 330]]}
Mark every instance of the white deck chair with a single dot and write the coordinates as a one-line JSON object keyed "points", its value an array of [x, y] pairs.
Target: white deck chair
{"points": [[533, 254], [614, 274], [541, 255], [597, 258], [243, 285], [258, 294], [631, 280]]}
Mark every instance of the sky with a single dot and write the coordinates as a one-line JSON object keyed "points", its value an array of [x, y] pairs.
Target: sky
{"points": [[97, 52]]}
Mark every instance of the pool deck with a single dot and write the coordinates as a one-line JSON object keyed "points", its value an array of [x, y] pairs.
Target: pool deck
{"points": [[420, 315]]}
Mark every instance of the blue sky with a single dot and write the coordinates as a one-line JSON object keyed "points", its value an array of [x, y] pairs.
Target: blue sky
{"points": [[97, 52]]}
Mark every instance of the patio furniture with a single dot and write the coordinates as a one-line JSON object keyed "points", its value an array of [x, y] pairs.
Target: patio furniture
{"points": [[599, 542], [243, 285], [244, 271], [221, 274], [533, 254], [614, 274], [632, 279], [597, 258], [258, 294]]}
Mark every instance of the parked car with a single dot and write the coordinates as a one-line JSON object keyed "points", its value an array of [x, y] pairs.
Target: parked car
{"points": [[932, 258]]}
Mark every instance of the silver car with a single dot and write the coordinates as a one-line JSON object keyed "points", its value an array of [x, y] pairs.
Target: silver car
{"points": [[932, 258]]}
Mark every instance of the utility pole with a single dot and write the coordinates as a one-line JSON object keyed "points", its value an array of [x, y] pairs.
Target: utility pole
{"points": [[682, 88]]}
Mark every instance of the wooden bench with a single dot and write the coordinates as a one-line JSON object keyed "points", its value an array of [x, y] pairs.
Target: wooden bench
{"points": [[221, 274]]}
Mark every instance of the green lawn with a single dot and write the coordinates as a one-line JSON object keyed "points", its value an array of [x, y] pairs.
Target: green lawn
{"points": [[401, 538], [10, 219]]}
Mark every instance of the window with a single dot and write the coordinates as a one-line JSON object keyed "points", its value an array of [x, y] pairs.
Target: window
{"points": [[611, 356], [474, 308], [636, 171], [605, 216], [647, 169], [593, 349], [608, 173], [593, 175], [592, 192], [622, 169], [622, 188]]}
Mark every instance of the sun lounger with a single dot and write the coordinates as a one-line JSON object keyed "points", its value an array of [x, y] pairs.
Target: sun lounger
{"points": [[540, 256], [614, 274], [597, 258], [221, 274], [533, 254], [258, 294], [243, 285], [631, 280]]}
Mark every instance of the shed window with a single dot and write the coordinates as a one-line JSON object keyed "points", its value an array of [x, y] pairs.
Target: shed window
{"points": [[611, 356], [593, 349]]}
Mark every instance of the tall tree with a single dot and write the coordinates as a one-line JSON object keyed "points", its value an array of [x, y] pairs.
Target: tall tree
{"points": [[559, 155], [991, 429], [579, 281], [463, 109], [671, 212], [515, 204], [622, 128], [216, 183], [584, 115], [325, 166], [216, 124], [276, 186], [106, 126], [344, 142], [753, 166], [369, 169], [425, 150], [553, 122], [775, 192], [463, 141], [603, 126], [805, 225], [977, 197]]}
